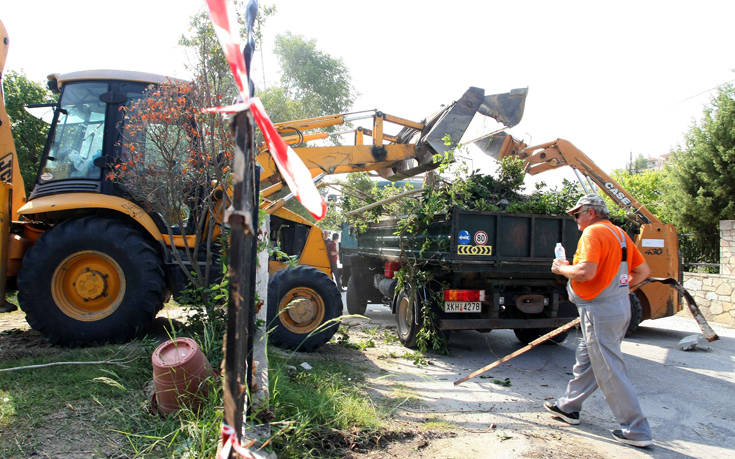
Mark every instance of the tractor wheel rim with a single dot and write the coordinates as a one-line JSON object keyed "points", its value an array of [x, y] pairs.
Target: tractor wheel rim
{"points": [[405, 316], [88, 285], [301, 310]]}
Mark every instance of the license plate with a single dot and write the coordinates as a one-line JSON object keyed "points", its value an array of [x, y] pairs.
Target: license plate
{"points": [[462, 306]]}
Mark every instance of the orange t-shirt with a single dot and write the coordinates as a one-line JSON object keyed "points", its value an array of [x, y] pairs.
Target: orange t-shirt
{"points": [[598, 245]]}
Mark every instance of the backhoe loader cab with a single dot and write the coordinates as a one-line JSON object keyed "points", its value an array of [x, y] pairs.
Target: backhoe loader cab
{"points": [[85, 131], [91, 265]]}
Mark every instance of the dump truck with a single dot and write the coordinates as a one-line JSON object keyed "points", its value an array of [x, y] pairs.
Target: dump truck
{"points": [[491, 270], [92, 265], [488, 270]]}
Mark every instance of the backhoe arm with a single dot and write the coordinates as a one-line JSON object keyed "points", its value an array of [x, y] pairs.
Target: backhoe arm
{"points": [[9, 167], [657, 241], [560, 153]]}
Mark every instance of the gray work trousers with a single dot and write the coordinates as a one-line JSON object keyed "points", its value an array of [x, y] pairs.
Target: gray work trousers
{"points": [[600, 363]]}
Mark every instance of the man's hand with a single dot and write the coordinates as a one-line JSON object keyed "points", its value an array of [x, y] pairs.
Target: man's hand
{"points": [[639, 274], [558, 263]]}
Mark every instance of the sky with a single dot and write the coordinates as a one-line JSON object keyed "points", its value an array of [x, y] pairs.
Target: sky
{"points": [[614, 78]]}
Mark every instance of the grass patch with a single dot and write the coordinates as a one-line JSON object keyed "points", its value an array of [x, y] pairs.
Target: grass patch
{"points": [[417, 358], [98, 409], [320, 411], [390, 337], [388, 355], [342, 337], [405, 397], [434, 424], [104, 410]]}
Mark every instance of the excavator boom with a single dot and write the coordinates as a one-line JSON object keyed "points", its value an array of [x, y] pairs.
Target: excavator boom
{"points": [[9, 167], [657, 241]]}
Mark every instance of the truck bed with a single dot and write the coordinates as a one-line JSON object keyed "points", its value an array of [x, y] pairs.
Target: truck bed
{"points": [[476, 241]]}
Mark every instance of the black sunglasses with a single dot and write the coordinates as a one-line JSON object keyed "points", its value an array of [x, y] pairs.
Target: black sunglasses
{"points": [[578, 213]]}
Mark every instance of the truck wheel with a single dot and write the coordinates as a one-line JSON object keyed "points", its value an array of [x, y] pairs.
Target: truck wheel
{"points": [[356, 301], [526, 335], [301, 300], [407, 328], [91, 280], [636, 315]]}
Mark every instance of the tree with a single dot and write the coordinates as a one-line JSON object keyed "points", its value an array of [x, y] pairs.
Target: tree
{"points": [[209, 64], [313, 84], [29, 133], [637, 165], [319, 82], [175, 161], [647, 187], [702, 175]]}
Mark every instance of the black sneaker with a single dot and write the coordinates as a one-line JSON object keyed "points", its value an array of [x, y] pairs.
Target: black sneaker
{"points": [[618, 435], [569, 418]]}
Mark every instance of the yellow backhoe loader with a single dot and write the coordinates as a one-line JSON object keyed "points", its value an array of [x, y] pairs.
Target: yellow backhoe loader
{"points": [[92, 265]]}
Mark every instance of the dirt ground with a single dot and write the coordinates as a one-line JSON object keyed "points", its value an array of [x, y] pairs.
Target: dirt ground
{"points": [[686, 395]]}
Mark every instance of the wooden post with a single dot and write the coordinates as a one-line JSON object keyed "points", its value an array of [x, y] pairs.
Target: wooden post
{"points": [[259, 390], [242, 218]]}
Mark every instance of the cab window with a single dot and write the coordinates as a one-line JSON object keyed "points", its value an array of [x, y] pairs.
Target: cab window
{"points": [[79, 134]]}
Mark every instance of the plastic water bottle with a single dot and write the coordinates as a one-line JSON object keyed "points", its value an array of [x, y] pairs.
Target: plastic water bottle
{"points": [[559, 252]]}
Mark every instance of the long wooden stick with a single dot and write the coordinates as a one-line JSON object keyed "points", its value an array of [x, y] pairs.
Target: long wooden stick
{"points": [[383, 201], [520, 351]]}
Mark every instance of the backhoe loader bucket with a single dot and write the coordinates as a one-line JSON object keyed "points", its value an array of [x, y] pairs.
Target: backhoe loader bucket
{"points": [[506, 108], [498, 145]]}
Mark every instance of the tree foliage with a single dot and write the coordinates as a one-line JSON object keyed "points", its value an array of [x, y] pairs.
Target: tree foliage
{"points": [[702, 175], [319, 82], [638, 165], [649, 187], [313, 84], [29, 133], [174, 160]]}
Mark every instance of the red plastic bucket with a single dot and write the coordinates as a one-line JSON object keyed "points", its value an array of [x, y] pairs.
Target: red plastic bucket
{"points": [[180, 372]]}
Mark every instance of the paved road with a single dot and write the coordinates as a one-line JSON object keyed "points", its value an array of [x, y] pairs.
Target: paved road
{"points": [[689, 397]]}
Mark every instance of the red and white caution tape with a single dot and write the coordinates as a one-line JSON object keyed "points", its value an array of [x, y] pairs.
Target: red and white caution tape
{"points": [[292, 169], [230, 443]]}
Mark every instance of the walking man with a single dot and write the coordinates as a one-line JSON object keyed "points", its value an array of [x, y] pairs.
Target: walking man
{"points": [[333, 253], [605, 264]]}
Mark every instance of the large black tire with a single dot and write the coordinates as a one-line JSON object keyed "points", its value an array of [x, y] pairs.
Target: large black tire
{"points": [[356, 300], [406, 322], [302, 305], [91, 280], [636, 315]]}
